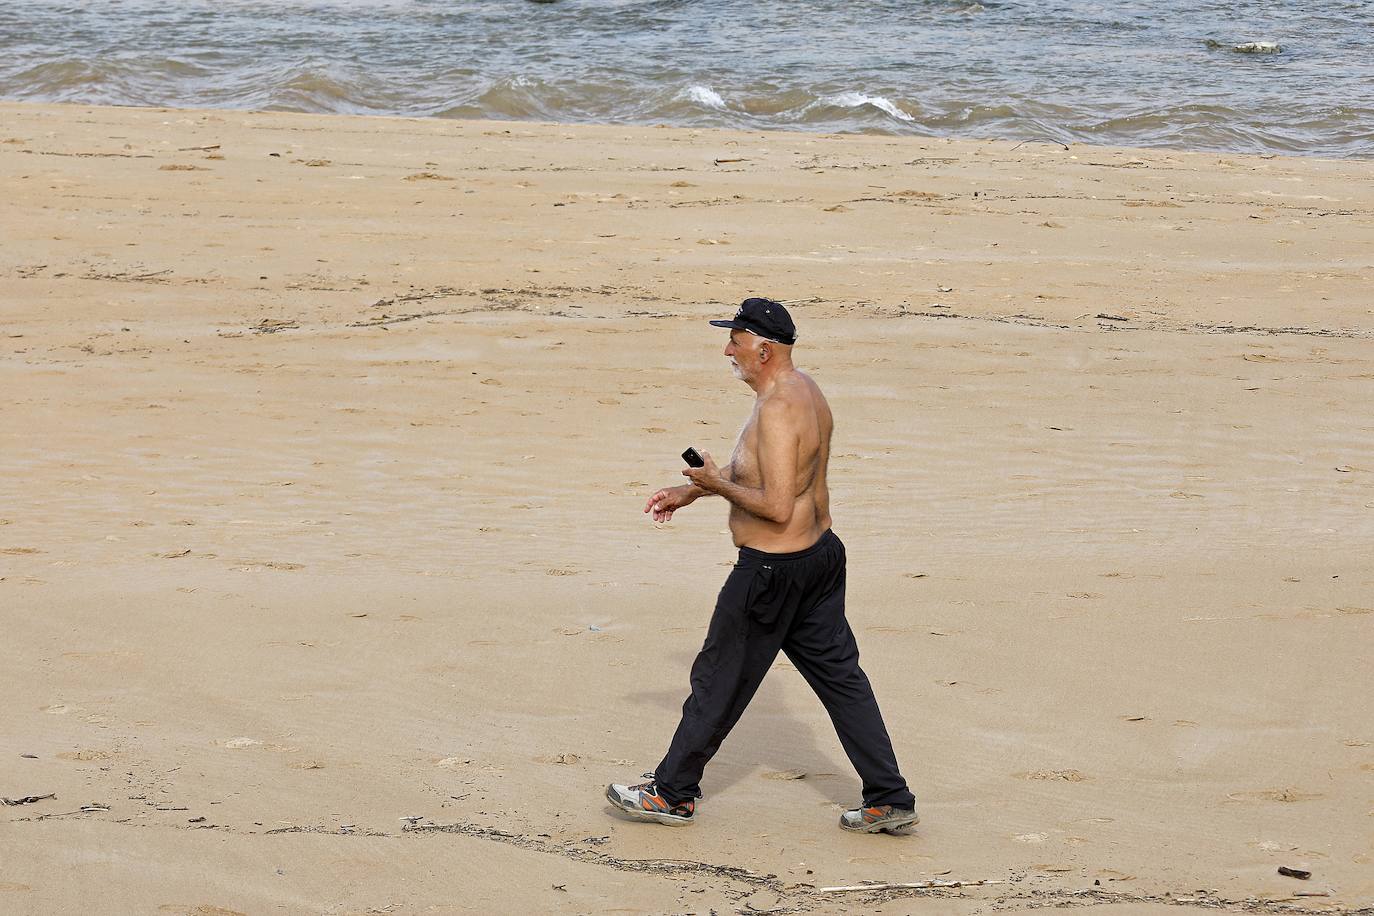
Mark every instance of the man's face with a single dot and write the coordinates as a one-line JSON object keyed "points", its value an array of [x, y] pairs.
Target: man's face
{"points": [[743, 350]]}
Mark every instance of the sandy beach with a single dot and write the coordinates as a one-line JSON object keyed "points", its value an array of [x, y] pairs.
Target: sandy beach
{"points": [[325, 584]]}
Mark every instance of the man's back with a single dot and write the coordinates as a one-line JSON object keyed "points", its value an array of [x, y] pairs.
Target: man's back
{"points": [[798, 412]]}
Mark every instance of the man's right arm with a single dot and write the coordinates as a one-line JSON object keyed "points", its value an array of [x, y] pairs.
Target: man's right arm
{"points": [[696, 492], [668, 500]]}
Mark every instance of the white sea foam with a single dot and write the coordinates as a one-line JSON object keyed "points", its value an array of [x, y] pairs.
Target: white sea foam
{"points": [[858, 100], [705, 95]]}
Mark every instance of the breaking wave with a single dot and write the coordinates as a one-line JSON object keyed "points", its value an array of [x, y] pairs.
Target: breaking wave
{"points": [[858, 100], [705, 95]]}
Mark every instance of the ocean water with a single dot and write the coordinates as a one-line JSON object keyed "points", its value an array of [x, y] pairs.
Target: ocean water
{"points": [[1158, 73]]}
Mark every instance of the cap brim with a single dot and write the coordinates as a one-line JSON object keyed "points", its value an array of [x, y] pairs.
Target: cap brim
{"points": [[727, 323]]}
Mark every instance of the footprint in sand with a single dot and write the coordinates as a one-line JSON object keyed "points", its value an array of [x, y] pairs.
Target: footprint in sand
{"points": [[85, 755], [564, 759], [1271, 846], [1054, 775]]}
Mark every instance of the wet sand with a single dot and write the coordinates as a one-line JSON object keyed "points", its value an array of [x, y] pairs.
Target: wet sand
{"points": [[325, 583]]}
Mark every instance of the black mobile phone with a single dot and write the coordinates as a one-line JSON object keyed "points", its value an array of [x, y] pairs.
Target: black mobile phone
{"points": [[693, 458]]}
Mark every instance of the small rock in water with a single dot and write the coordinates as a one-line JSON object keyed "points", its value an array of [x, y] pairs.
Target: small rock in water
{"points": [[1246, 47]]}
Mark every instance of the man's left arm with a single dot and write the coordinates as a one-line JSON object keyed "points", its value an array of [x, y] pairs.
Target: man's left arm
{"points": [[777, 458]]}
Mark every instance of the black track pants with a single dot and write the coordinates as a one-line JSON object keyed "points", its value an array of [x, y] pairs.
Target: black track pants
{"points": [[793, 602]]}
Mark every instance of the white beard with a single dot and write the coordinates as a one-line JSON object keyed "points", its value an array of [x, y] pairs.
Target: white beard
{"points": [[736, 370]]}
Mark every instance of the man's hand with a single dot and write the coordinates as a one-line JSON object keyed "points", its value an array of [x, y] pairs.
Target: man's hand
{"points": [[668, 500], [708, 476]]}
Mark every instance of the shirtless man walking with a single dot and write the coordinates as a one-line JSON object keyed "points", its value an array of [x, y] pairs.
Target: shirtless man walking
{"points": [[785, 592]]}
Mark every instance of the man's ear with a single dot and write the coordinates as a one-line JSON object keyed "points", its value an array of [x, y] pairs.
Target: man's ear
{"points": [[764, 353]]}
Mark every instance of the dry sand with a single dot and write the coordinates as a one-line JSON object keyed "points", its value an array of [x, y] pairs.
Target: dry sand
{"points": [[324, 447]]}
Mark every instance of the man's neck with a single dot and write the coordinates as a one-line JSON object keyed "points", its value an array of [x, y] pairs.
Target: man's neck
{"points": [[762, 386]]}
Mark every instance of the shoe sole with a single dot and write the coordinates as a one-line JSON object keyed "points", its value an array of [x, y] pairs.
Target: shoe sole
{"points": [[891, 825], [639, 814]]}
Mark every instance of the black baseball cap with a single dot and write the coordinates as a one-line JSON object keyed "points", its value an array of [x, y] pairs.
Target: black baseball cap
{"points": [[764, 317]]}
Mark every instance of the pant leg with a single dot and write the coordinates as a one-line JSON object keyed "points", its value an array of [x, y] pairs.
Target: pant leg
{"points": [[822, 647], [727, 672]]}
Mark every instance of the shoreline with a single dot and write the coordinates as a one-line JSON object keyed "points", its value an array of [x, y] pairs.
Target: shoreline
{"points": [[327, 441], [800, 130]]}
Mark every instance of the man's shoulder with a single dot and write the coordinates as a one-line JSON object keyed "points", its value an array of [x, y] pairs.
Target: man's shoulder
{"points": [[789, 399], [800, 389]]}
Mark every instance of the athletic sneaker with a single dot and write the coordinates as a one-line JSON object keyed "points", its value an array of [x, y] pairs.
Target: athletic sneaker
{"points": [[644, 802], [879, 819]]}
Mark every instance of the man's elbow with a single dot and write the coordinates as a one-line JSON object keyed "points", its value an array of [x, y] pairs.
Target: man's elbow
{"points": [[781, 514]]}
